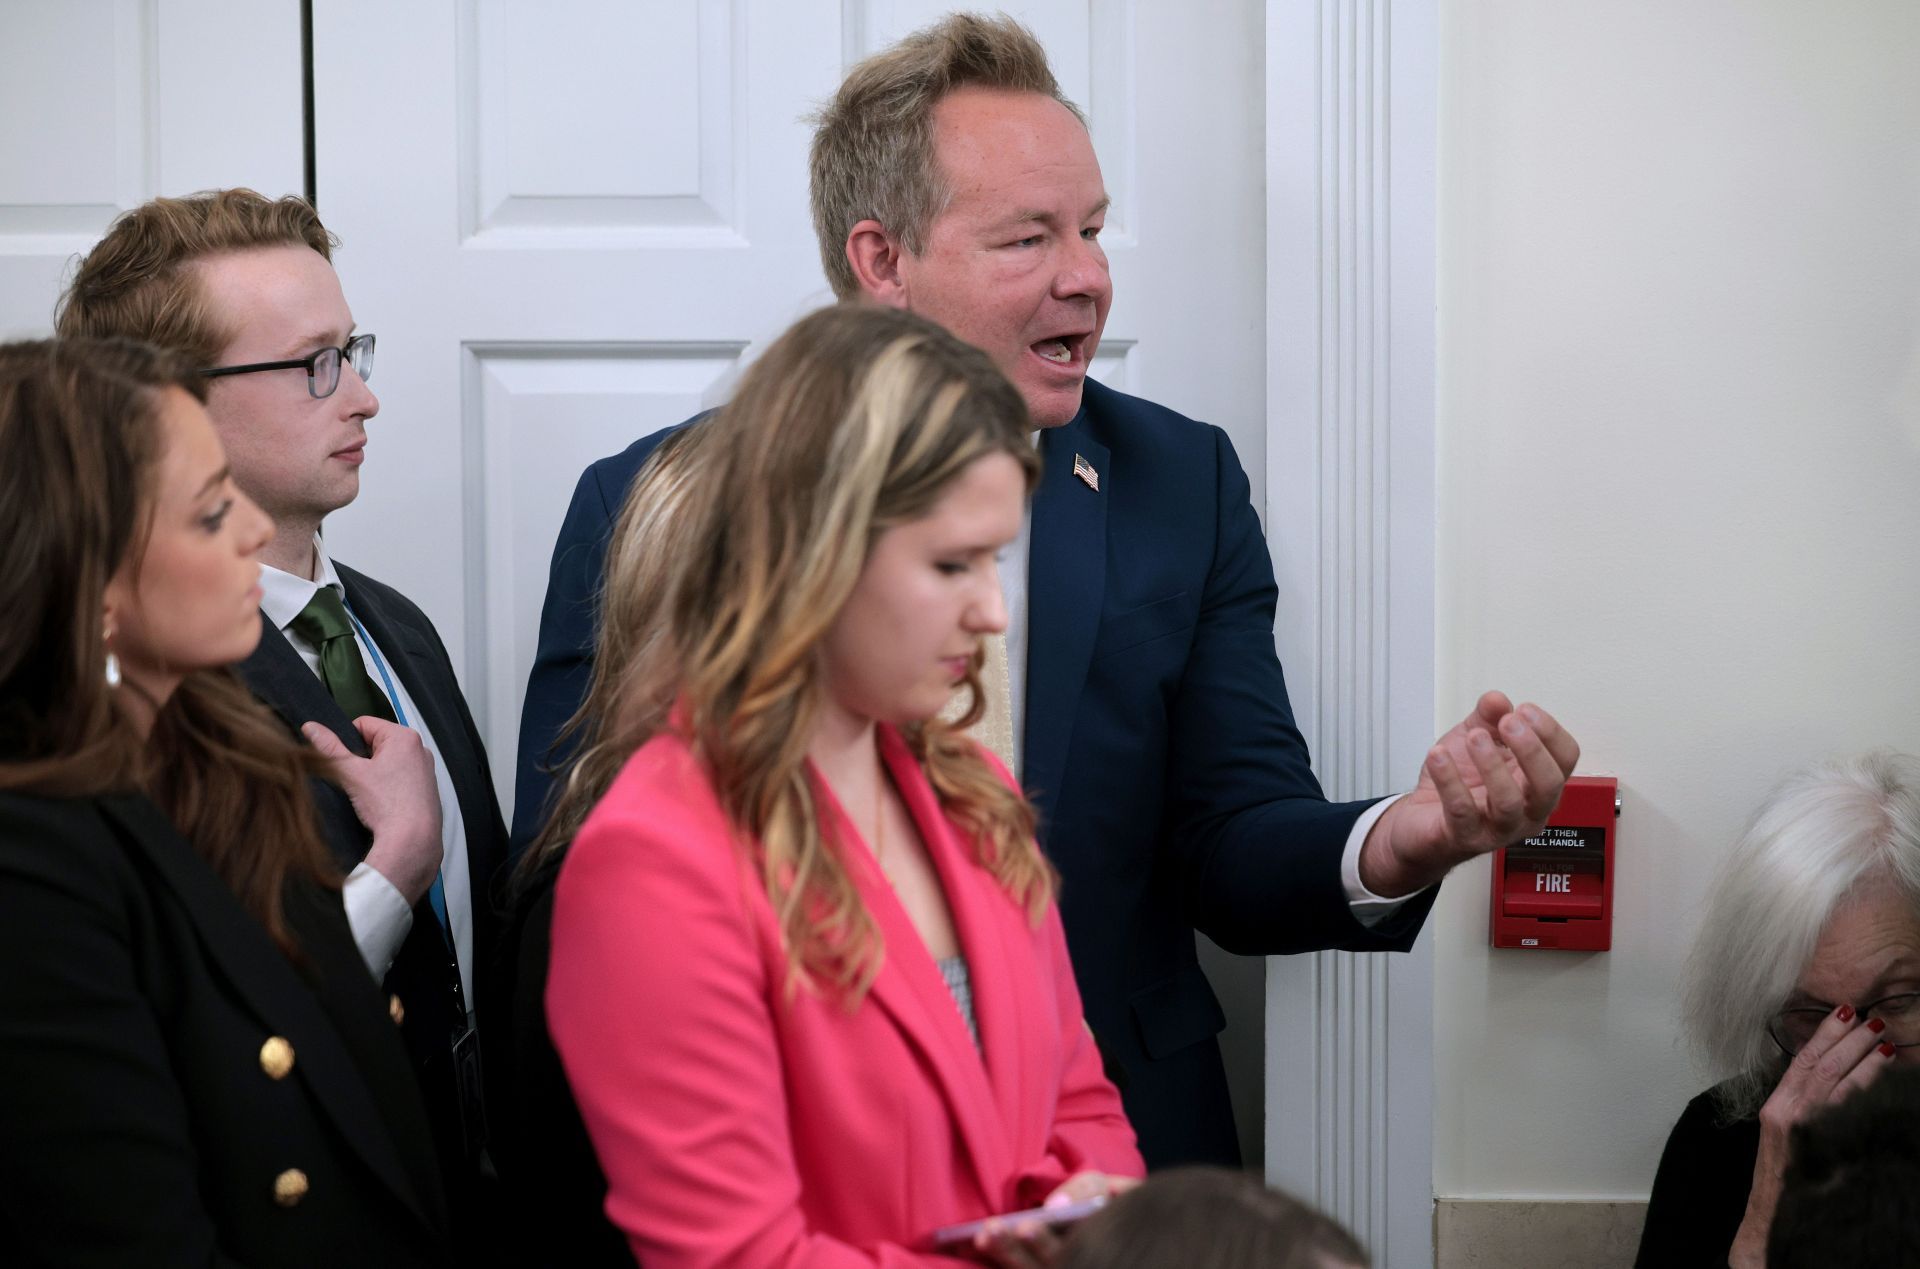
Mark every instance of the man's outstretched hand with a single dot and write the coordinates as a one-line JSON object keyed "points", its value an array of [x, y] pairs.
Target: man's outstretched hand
{"points": [[1489, 782]]}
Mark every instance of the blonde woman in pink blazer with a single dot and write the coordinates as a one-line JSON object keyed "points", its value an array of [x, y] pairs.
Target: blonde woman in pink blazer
{"points": [[808, 982]]}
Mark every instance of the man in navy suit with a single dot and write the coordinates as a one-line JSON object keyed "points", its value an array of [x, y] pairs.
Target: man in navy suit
{"points": [[1150, 714]]}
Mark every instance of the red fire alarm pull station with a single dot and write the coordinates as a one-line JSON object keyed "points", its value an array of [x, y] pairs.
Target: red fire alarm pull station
{"points": [[1555, 890]]}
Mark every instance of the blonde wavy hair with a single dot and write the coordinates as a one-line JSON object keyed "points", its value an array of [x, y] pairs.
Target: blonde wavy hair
{"points": [[739, 542]]}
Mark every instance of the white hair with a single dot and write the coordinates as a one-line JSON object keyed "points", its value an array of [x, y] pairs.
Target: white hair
{"points": [[1822, 834]]}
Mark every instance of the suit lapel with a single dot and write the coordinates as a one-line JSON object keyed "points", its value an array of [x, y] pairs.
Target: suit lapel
{"points": [[276, 674], [279, 679], [910, 990], [284, 1004], [407, 655], [1066, 585], [998, 945], [434, 694]]}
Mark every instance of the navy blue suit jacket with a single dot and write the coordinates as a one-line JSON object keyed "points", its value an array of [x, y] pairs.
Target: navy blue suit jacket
{"points": [[1174, 789]]}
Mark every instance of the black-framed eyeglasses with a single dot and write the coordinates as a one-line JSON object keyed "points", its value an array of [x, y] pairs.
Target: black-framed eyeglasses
{"points": [[323, 367], [1792, 1028]]}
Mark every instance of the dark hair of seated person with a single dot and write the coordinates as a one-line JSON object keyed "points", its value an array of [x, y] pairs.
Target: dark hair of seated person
{"points": [[1210, 1218], [1851, 1195]]}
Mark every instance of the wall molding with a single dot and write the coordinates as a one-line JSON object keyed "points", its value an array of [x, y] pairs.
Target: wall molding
{"points": [[1351, 236], [1495, 1233]]}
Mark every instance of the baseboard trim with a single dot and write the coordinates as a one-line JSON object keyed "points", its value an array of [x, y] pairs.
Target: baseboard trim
{"points": [[1544, 1233]]}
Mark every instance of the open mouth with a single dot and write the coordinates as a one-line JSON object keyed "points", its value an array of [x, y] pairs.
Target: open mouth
{"points": [[1062, 350]]}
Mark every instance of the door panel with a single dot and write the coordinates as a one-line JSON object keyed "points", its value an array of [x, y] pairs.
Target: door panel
{"points": [[107, 103]]}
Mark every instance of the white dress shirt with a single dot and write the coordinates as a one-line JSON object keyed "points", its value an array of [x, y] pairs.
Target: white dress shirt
{"points": [[377, 912], [1368, 907]]}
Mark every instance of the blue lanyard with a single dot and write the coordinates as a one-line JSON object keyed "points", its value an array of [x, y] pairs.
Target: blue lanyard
{"points": [[436, 894], [379, 663]]}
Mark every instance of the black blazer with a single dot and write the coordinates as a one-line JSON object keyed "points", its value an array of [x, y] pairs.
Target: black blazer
{"points": [[1174, 790], [1700, 1193], [138, 1122], [558, 1217], [423, 975]]}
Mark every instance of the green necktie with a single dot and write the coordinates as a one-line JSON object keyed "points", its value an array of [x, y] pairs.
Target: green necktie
{"points": [[324, 623]]}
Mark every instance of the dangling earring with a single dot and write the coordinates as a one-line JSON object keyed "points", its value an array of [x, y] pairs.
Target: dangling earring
{"points": [[113, 662]]}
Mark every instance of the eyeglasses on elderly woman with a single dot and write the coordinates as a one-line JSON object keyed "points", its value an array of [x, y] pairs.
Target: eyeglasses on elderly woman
{"points": [[1792, 1028]]}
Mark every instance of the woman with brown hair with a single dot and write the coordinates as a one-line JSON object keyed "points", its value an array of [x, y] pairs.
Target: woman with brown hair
{"points": [[195, 1068], [808, 980]]}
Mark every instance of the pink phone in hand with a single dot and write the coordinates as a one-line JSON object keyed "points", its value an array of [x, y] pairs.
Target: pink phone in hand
{"points": [[963, 1234]]}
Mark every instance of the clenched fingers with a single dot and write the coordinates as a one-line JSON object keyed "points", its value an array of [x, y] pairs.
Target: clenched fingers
{"points": [[1557, 740], [1545, 777], [1456, 798], [1506, 809]]}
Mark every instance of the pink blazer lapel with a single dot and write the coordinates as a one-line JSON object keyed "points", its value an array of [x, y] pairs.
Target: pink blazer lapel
{"points": [[910, 990], [1009, 1000]]}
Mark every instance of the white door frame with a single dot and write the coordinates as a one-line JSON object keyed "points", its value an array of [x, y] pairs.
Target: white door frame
{"points": [[1351, 248]]}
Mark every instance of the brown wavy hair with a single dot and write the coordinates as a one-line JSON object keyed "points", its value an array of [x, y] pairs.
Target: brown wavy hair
{"points": [[139, 281], [739, 543], [80, 431]]}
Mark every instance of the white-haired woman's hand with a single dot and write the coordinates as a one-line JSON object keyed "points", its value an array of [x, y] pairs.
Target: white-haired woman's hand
{"points": [[1841, 1058]]}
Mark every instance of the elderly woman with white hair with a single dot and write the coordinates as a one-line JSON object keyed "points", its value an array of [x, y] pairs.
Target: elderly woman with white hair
{"points": [[1805, 984]]}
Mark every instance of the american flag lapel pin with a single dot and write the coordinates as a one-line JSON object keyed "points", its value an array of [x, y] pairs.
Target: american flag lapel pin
{"points": [[1084, 470]]}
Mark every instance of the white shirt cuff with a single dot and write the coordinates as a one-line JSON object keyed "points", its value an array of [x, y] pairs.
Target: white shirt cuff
{"points": [[1369, 909], [379, 916]]}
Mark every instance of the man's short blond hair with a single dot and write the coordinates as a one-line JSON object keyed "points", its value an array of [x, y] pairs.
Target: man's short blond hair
{"points": [[873, 155]]}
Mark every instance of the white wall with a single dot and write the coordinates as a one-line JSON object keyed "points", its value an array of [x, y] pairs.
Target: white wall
{"points": [[1679, 492]]}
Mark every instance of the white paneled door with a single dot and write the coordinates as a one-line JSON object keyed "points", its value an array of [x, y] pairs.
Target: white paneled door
{"points": [[106, 103], [566, 223]]}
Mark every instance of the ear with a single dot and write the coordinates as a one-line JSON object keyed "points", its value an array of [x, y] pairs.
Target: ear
{"points": [[114, 601], [875, 256]]}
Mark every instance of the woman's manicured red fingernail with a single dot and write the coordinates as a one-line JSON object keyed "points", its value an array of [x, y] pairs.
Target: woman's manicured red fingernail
{"points": [[1886, 1050], [1844, 1013], [1876, 1026]]}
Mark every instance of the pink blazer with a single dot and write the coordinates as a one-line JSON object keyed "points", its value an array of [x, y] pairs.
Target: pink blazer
{"points": [[739, 1126]]}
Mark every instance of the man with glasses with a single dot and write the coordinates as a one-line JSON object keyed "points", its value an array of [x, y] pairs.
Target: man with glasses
{"points": [[244, 286]]}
